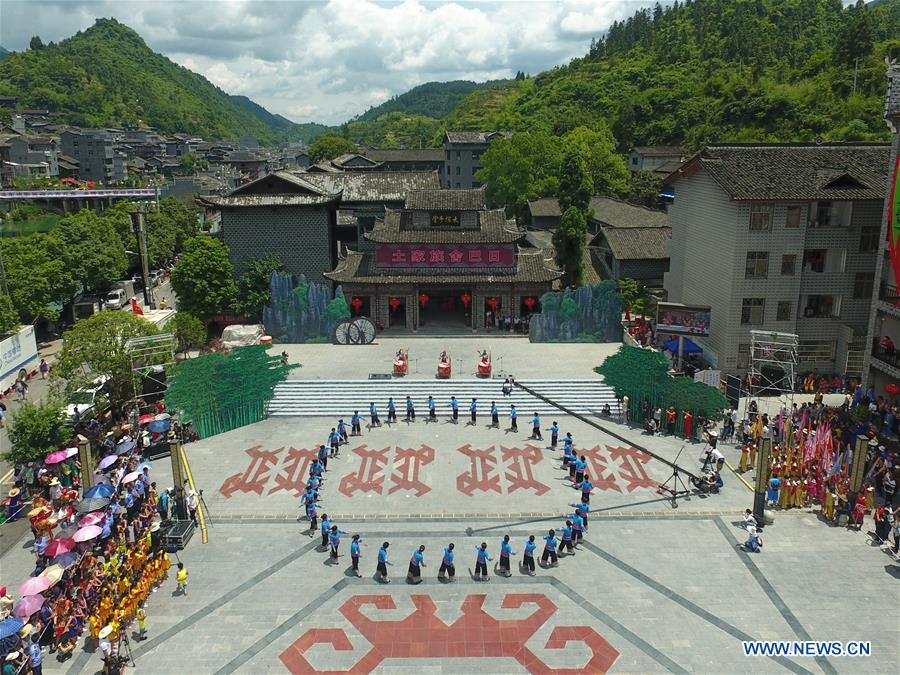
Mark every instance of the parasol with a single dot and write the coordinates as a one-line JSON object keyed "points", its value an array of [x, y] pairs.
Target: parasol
{"points": [[100, 490], [87, 533], [56, 457], [125, 446], [159, 426], [94, 518], [107, 462], [70, 452], [10, 626], [143, 419], [35, 586], [163, 416], [91, 504], [28, 605], [54, 573], [66, 560], [58, 547], [131, 477]]}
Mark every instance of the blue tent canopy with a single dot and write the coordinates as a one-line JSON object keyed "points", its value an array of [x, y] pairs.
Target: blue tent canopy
{"points": [[690, 347]]}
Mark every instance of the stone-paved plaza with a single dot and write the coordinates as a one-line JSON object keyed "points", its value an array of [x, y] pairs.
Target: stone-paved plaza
{"points": [[653, 588]]}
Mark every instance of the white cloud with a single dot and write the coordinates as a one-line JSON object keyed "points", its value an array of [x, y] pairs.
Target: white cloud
{"points": [[328, 61]]}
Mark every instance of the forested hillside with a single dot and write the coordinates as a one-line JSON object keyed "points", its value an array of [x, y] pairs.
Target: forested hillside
{"points": [[108, 76], [432, 99], [711, 70]]}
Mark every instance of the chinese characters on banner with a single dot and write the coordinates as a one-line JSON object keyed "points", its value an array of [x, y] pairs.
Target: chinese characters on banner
{"points": [[445, 255], [384, 471]]}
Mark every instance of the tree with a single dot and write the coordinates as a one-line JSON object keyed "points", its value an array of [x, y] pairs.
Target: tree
{"points": [[36, 275], [337, 310], [253, 285], [36, 430], [644, 188], [91, 248], [329, 146], [9, 317], [203, 278], [188, 330], [575, 185], [35, 44], [162, 236], [184, 219], [569, 240], [607, 169], [96, 346]]}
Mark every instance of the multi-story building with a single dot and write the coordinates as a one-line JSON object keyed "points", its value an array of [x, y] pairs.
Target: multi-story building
{"points": [[782, 238], [655, 158], [462, 156], [95, 151], [37, 151], [882, 359]]}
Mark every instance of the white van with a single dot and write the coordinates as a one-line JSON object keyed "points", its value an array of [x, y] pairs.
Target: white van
{"points": [[116, 298]]}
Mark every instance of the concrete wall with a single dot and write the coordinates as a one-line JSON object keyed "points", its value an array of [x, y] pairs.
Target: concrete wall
{"points": [[461, 161]]}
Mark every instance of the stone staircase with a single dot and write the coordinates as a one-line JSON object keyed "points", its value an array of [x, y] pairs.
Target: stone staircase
{"points": [[339, 398]]}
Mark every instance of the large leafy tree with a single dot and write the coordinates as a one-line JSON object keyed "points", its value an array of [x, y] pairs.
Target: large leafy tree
{"points": [[188, 330], [575, 185], [203, 277], [36, 275], [607, 169], [329, 146], [91, 248], [97, 346], [184, 219], [253, 285], [9, 317], [162, 236], [35, 430], [569, 240]]}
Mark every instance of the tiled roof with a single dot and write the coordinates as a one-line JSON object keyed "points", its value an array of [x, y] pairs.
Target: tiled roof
{"points": [[493, 228], [323, 167], [359, 268], [376, 187], [794, 171], [474, 136], [269, 200], [404, 154], [546, 207], [659, 150], [638, 243], [298, 182], [621, 214], [543, 240], [449, 200], [341, 160]]}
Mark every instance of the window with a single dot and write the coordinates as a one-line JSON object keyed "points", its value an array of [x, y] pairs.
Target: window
{"points": [[760, 217], [743, 355], [868, 238], [785, 311], [757, 265], [458, 154], [814, 260], [863, 283], [457, 171], [815, 351], [634, 161], [788, 264], [457, 185], [753, 311], [822, 306], [792, 216], [476, 157], [823, 215]]}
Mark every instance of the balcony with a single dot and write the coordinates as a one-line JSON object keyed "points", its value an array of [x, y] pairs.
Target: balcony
{"points": [[889, 293], [888, 356]]}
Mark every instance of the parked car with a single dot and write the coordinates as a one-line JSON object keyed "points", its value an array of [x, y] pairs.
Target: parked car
{"points": [[116, 299], [84, 399], [156, 277]]}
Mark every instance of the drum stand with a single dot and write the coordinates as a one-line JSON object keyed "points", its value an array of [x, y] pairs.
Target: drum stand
{"points": [[670, 487]]}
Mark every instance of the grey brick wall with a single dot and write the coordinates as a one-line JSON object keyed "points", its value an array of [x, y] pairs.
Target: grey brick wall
{"points": [[301, 238]]}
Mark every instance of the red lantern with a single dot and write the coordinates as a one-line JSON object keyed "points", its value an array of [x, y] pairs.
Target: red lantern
{"points": [[356, 304], [394, 303], [892, 388], [493, 303], [530, 303], [466, 299], [423, 300]]}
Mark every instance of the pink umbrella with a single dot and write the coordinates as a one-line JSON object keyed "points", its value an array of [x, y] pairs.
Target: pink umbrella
{"points": [[28, 605], [91, 519], [58, 547], [35, 586], [107, 461], [56, 457], [87, 533], [143, 419], [131, 477]]}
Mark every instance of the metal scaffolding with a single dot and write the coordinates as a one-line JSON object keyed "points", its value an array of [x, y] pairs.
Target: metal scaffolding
{"points": [[150, 357], [773, 363]]}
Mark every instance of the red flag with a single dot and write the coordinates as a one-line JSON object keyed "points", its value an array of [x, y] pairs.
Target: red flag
{"points": [[136, 308]]}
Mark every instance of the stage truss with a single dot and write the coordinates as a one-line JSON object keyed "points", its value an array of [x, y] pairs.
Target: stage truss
{"points": [[774, 362], [148, 356]]}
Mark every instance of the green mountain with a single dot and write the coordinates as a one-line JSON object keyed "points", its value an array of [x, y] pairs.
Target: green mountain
{"points": [[432, 99], [292, 131], [712, 70], [108, 76], [3, 53]]}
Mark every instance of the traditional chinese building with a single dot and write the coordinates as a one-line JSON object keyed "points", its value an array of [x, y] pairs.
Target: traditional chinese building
{"points": [[444, 258]]}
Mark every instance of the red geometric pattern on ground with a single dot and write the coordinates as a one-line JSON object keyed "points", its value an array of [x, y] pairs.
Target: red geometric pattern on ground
{"points": [[599, 470], [408, 461], [370, 475], [519, 473], [475, 634], [632, 467], [293, 471], [482, 464], [257, 473]]}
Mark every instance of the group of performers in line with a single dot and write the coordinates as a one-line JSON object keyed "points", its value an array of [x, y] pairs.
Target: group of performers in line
{"points": [[559, 541]]}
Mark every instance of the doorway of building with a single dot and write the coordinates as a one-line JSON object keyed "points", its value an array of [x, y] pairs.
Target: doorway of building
{"points": [[443, 308], [396, 312]]}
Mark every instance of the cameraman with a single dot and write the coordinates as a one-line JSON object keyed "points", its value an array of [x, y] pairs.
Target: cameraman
{"points": [[106, 651]]}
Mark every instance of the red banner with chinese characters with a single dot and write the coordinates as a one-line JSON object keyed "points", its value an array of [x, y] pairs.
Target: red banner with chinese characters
{"points": [[444, 256]]}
